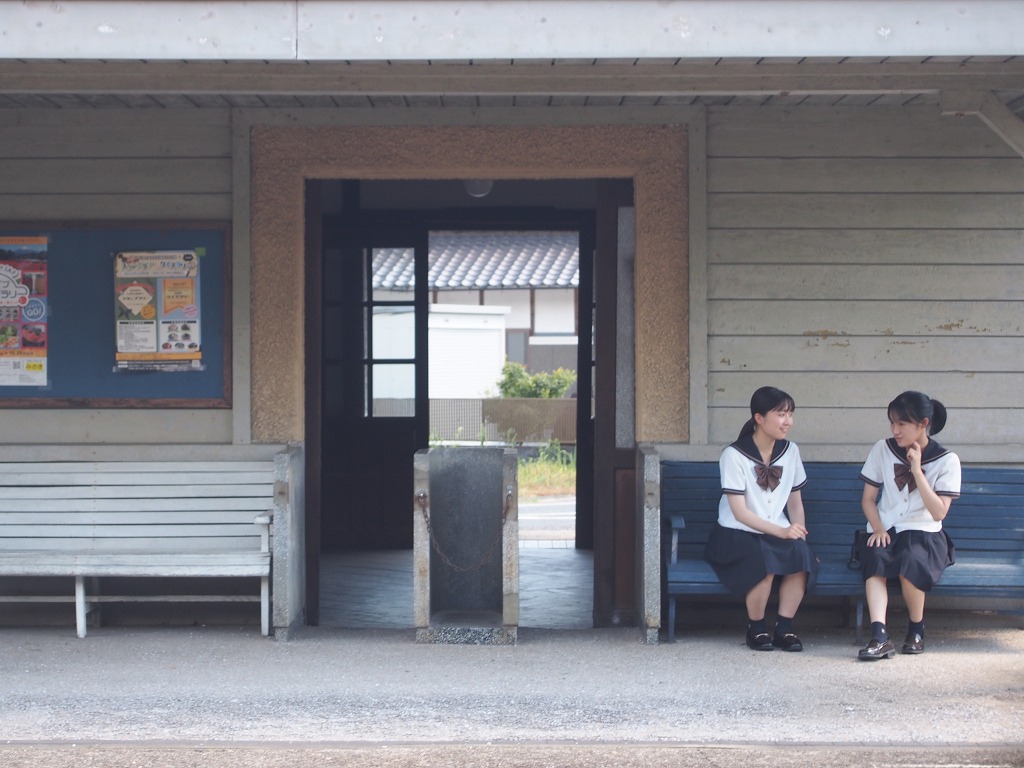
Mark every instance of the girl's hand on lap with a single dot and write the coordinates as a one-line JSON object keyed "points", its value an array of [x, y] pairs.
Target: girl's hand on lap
{"points": [[794, 531], [879, 539]]}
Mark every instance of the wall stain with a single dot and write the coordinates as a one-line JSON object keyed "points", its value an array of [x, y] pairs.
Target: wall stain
{"points": [[824, 333]]}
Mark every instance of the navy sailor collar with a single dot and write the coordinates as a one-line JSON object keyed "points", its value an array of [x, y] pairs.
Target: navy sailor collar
{"points": [[746, 446], [931, 452]]}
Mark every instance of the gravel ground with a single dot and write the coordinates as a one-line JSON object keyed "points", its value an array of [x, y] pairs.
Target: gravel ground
{"points": [[599, 686]]}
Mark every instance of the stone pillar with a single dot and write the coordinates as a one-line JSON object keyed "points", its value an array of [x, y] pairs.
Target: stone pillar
{"points": [[466, 542]]}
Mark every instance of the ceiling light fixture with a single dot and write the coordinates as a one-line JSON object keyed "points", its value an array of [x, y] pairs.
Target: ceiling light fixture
{"points": [[478, 187]]}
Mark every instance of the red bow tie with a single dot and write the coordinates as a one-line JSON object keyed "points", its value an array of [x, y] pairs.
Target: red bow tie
{"points": [[904, 478], [768, 477]]}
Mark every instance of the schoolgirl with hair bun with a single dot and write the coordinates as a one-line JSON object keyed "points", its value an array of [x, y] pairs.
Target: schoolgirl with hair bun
{"points": [[761, 532], [918, 479]]}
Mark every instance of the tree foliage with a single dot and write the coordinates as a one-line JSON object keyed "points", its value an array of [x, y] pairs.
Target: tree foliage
{"points": [[516, 381]]}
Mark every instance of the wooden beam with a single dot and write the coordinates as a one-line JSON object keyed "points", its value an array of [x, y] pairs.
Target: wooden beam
{"points": [[991, 111], [512, 78]]}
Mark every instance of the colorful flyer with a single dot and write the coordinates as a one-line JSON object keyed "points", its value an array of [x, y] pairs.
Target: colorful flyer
{"points": [[157, 311], [23, 311]]}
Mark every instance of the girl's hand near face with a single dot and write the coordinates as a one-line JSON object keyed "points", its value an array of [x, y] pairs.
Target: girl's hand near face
{"points": [[914, 457]]}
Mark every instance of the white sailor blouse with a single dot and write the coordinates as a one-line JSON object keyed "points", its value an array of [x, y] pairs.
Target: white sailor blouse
{"points": [[765, 488], [900, 505]]}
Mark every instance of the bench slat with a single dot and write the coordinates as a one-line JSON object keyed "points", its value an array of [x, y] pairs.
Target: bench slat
{"points": [[196, 564], [115, 531], [195, 490], [147, 504], [84, 477], [183, 545], [166, 516], [172, 570], [95, 467]]}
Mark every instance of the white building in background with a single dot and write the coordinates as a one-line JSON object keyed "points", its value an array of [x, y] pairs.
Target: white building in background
{"points": [[467, 350]]}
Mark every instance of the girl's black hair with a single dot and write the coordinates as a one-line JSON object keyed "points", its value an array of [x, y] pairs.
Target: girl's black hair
{"points": [[762, 401], [916, 407]]}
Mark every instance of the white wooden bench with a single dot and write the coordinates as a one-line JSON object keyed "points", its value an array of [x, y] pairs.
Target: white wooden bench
{"points": [[90, 520]]}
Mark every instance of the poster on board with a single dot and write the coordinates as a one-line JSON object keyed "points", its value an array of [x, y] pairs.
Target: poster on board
{"points": [[157, 311], [23, 311]]}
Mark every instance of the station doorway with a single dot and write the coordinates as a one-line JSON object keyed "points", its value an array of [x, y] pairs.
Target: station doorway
{"points": [[372, 369]]}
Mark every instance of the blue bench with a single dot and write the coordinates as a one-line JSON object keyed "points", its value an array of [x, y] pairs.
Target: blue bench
{"points": [[986, 523]]}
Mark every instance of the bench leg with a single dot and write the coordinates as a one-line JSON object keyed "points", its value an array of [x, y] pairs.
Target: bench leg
{"points": [[265, 605], [672, 618], [80, 605]]}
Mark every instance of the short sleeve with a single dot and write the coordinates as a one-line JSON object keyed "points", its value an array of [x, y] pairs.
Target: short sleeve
{"points": [[733, 468], [799, 473], [947, 481], [872, 471]]}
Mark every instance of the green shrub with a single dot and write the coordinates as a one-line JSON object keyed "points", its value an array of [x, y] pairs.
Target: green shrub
{"points": [[516, 381]]}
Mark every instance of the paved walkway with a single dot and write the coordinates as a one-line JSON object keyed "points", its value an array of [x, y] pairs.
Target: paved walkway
{"points": [[211, 685]]}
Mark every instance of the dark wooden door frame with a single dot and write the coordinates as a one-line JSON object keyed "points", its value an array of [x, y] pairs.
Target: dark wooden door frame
{"points": [[614, 537], [313, 393]]}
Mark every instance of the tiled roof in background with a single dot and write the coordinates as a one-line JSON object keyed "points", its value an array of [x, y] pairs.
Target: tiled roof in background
{"points": [[486, 260]]}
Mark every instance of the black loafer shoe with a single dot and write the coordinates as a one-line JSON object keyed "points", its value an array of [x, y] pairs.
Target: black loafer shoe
{"points": [[877, 649], [913, 643], [787, 642], [759, 642]]}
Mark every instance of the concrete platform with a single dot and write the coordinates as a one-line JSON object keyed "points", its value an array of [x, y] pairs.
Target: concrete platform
{"points": [[373, 687]]}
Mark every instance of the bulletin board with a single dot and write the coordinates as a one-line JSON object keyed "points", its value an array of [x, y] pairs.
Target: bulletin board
{"points": [[70, 345]]}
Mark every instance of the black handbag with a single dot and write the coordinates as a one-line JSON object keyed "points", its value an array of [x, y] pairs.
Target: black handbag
{"points": [[860, 537]]}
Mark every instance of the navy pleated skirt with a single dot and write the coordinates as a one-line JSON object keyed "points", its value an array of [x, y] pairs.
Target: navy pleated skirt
{"points": [[742, 559], [918, 556]]}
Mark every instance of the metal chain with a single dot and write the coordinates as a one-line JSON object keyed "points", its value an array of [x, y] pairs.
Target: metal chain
{"points": [[421, 497]]}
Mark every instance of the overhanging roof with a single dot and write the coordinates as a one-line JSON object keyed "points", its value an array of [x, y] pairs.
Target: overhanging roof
{"points": [[483, 57], [474, 84]]}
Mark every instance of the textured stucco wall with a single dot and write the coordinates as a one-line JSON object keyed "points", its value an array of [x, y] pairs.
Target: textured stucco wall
{"points": [[283, 157]]}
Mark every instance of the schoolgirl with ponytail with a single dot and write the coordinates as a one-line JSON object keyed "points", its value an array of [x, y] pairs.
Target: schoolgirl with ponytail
{"points": [[918, 479], [761, 533]]}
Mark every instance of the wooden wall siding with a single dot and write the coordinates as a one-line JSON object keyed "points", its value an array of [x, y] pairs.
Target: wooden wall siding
{"points": [[849, 132], [115, 164], [855, 253]]}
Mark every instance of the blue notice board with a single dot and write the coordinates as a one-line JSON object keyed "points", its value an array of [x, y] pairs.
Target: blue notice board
{"points": [[80, 341]]}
